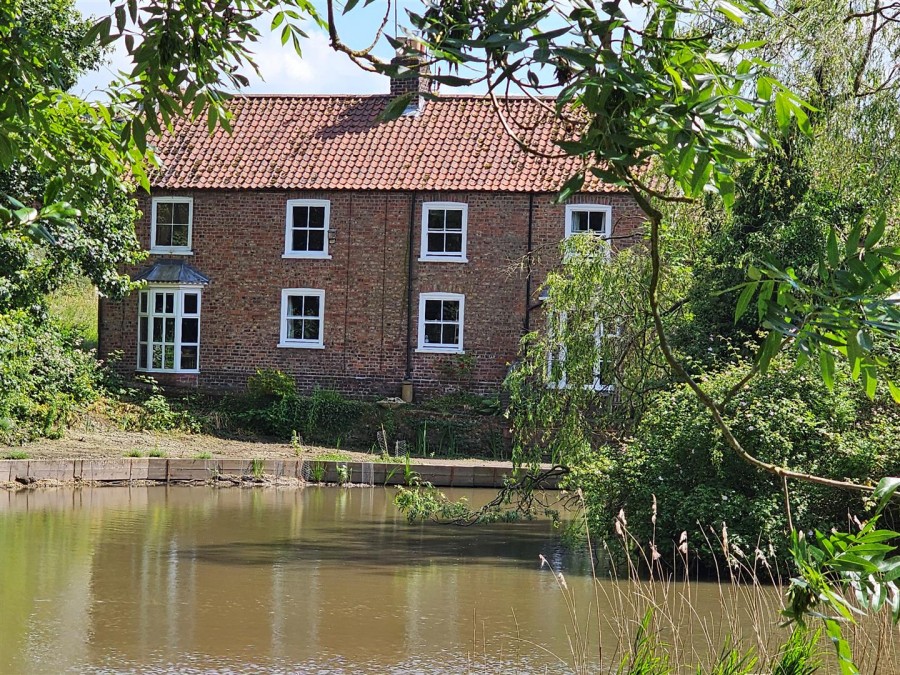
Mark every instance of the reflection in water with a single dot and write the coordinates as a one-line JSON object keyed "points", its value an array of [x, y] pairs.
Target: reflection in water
{"points": [[193, 579], [175, 580]]}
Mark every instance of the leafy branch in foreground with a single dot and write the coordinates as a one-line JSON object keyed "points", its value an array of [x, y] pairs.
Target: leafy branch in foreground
{"points": [[839, 568], [850, 312]]}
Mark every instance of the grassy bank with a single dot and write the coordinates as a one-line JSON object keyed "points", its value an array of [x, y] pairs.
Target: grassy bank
{"points": [[75, 307]]}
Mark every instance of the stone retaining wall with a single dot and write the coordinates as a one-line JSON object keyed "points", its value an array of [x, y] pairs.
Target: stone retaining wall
{"points": [[190, 470]]}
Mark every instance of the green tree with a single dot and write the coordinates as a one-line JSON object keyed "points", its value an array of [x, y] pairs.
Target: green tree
{"points": [[98, 236], [68, 164]]}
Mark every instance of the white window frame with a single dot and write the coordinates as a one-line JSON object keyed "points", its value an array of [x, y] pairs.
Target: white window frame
{"points": [[427, 256], [595, 208], [289, 229], [172, 250], [295, 343], [559, 356], [178, 315], [429, 348]]}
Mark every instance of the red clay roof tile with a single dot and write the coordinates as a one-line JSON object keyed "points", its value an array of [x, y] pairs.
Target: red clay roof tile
{"points": [[337, 143]]}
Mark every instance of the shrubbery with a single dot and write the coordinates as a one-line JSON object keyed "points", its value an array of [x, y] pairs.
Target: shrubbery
{"points": [[274, 408], [786, 416], [44, 377]]}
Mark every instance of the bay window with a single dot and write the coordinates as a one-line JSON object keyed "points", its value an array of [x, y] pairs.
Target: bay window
{"points": [[169, 330]]}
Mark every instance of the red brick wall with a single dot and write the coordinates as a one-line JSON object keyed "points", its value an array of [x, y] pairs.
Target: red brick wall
{"points": [[238, 241]]}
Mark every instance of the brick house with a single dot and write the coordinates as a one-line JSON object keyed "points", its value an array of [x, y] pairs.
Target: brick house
{"points": [[349, 253]]}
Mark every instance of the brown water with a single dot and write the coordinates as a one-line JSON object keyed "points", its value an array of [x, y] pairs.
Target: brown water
{"points": [[325, 580], [317, 580]]}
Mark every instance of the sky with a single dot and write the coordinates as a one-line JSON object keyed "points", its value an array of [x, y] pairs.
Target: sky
{"points": [[320, 71]]}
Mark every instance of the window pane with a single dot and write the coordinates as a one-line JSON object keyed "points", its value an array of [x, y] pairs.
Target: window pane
{"points": [[142, 329], [432, 310], [182, 213], [317, 217], [301, 216], [163, 235], [451, 310], [157, 329], [435, 219], [453, 243], [311, 329], [295, 329], [295, 305], [170, 330], [188, 358], [190, 330], [598, 221], [190, 303], [179, 235], [143, 306], [316, 240], [170, 303], [311, 305], [454, 219], [433, 333], [300, 240], [435, 243], [157, 357], [163, 212], [142, 356], [579, 221], [450, 334], [170, 357], [158, 303]]}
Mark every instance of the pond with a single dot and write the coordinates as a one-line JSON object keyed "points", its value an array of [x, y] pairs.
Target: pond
{"points": [[326, 580], [183, 579]]}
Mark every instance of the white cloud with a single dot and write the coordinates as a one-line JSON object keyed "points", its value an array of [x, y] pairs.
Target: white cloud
{"points": [[321, 70]]}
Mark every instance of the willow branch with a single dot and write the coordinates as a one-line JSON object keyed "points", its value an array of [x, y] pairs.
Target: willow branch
{"points": [[749, 376], [655, 218], [860, 73]]}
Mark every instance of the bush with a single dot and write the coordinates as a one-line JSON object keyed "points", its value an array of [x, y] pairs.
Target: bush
{"points": [[786, 416], [331, 416], [271, 384], [44, 377], [274, 408]]}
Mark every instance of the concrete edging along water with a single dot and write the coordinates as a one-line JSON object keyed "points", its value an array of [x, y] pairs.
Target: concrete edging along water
{"points": [[193, 470]]}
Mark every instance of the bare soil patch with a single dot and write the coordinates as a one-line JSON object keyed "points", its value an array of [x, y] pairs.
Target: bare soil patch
{"points": [[97, 438]]}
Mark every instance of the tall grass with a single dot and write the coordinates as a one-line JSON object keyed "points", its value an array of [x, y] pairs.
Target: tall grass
{"points": [[75, 306], [648, 613]]}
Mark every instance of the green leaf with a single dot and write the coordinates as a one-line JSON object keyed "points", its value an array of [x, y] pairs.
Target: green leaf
{"points": [[876, 232], [139, 134], [782, 111], [833, 254], [870, 382], [895, 391], [570, 187], [744, 301], [826, 365], [7, 151], [885, 490], [395, 107], [768, 351]]}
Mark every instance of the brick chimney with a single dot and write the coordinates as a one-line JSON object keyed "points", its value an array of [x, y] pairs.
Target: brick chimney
{"points": [[413, 66]]}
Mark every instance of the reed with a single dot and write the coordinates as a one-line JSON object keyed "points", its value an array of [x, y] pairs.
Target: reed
{"points": [[644, 615]]}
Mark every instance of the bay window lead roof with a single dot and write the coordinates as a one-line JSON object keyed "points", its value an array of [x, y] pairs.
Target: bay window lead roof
{"points": [[172, 272]]}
